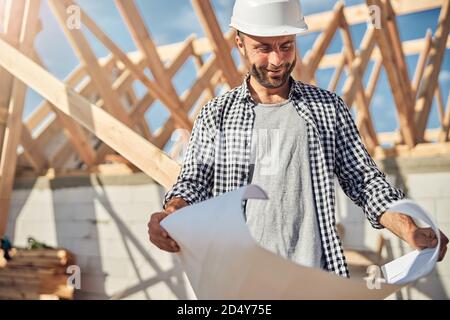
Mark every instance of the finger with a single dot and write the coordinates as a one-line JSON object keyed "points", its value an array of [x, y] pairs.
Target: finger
{"points": [[444, 239], [426, 238], [442, 253], [168, 246]]}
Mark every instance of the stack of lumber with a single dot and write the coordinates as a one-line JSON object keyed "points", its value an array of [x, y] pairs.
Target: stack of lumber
{"points": [[36, 274]]}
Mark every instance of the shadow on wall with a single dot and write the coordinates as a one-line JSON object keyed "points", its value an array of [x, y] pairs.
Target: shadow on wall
{"points": [[357, 236], [109, 239]]}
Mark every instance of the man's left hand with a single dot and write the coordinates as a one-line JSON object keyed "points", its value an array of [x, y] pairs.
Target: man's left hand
{"points": [[422, 238]]}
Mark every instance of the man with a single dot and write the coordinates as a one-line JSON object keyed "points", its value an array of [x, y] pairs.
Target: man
{"points": [[290, 138]]}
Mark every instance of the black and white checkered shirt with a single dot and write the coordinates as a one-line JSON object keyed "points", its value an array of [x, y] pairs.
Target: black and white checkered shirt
{"points": [[218, 157]]}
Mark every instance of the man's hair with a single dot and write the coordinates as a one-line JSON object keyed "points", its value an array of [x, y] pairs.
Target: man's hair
{"points": [[240, 35]]}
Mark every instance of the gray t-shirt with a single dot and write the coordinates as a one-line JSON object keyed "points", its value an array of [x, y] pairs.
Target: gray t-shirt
{"points": [[286, 223]]}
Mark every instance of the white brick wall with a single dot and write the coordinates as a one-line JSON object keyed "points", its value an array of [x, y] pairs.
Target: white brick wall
{"points": [[106, 227], [432, 192]]}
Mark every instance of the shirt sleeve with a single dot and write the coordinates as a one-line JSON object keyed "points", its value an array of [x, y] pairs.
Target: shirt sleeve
{"points": [[195, 180], [360, 178]]}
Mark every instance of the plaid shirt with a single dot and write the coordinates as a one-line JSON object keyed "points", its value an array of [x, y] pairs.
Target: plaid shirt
{"points": [[218, 157]]}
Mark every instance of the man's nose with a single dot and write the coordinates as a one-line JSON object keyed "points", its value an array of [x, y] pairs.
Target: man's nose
{"points": [[275, 58]]}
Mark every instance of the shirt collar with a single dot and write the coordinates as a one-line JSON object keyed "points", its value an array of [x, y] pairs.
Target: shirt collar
{"points": [[295, 92]]}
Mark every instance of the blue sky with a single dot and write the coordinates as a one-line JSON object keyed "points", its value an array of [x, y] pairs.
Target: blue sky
{"points": [[172, 21]]}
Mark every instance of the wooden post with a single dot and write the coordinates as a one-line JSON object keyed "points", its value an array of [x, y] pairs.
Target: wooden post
{"points": [[12, 25], [8, 157]]}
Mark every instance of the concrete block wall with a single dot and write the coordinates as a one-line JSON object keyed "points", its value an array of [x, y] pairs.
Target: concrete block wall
{"points": [[103, 220], [426, 181]]}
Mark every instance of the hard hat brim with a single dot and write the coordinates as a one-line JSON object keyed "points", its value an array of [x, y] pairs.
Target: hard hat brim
{"points": [[275, 31]]}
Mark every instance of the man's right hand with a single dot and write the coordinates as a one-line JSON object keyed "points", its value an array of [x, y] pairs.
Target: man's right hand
{"points": [[158, 236]]}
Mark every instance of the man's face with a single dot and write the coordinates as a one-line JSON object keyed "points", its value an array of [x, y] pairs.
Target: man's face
{"points": [[271, 59]]}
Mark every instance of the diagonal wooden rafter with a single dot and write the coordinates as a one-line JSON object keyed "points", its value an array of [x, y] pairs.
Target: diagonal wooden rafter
{"points": [[364, 120], [390, 63], [431, 73], [208, 19], [131, 145], [317, 52], [87, 56], [145, 44], [153, 87]]}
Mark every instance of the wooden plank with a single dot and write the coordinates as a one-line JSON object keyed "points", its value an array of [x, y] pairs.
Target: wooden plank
{"points": [[405, 118], [373, 80], [189, 97], [87, 56], [143, 41], [431, 73], [34, 155], [337, 73], [205, 13], [121, 138], [443, 135], [394, 137], [166, 98], [410, 47], [13, 22], [420, 67], [321, 44], [364, 119], [8, 158], [420, 150], [76, 134], [358, 65], [360, 14], [399, 55]]}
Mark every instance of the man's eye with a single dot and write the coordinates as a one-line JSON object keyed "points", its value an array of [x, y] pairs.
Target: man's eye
{"points": [[286, 47], [264, 49]]}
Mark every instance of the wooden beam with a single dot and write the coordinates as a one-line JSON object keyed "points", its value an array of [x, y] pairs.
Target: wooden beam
{"points": [[321, 44], [76, 134], [405, 117], [121, 138], [208, 19], [420, 67], [410, 47], [87, 56], [360, 14], [397, 47], [143, 41], [12, 26], [443, 135], [33, 155], [8, 158], [337, 73], [364, 120], [373, 80], [431, 73], [189, 97], [420, 150], [166, 98]]}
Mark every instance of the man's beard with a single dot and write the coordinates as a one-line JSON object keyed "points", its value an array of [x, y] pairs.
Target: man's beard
{"points": [[262, 76]]}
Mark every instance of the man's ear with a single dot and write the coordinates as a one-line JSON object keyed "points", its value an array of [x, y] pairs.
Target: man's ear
{"points": [[240, 45]]}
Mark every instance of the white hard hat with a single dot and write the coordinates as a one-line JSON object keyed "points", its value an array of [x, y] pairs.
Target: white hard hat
{"points": [[267, 18]]}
